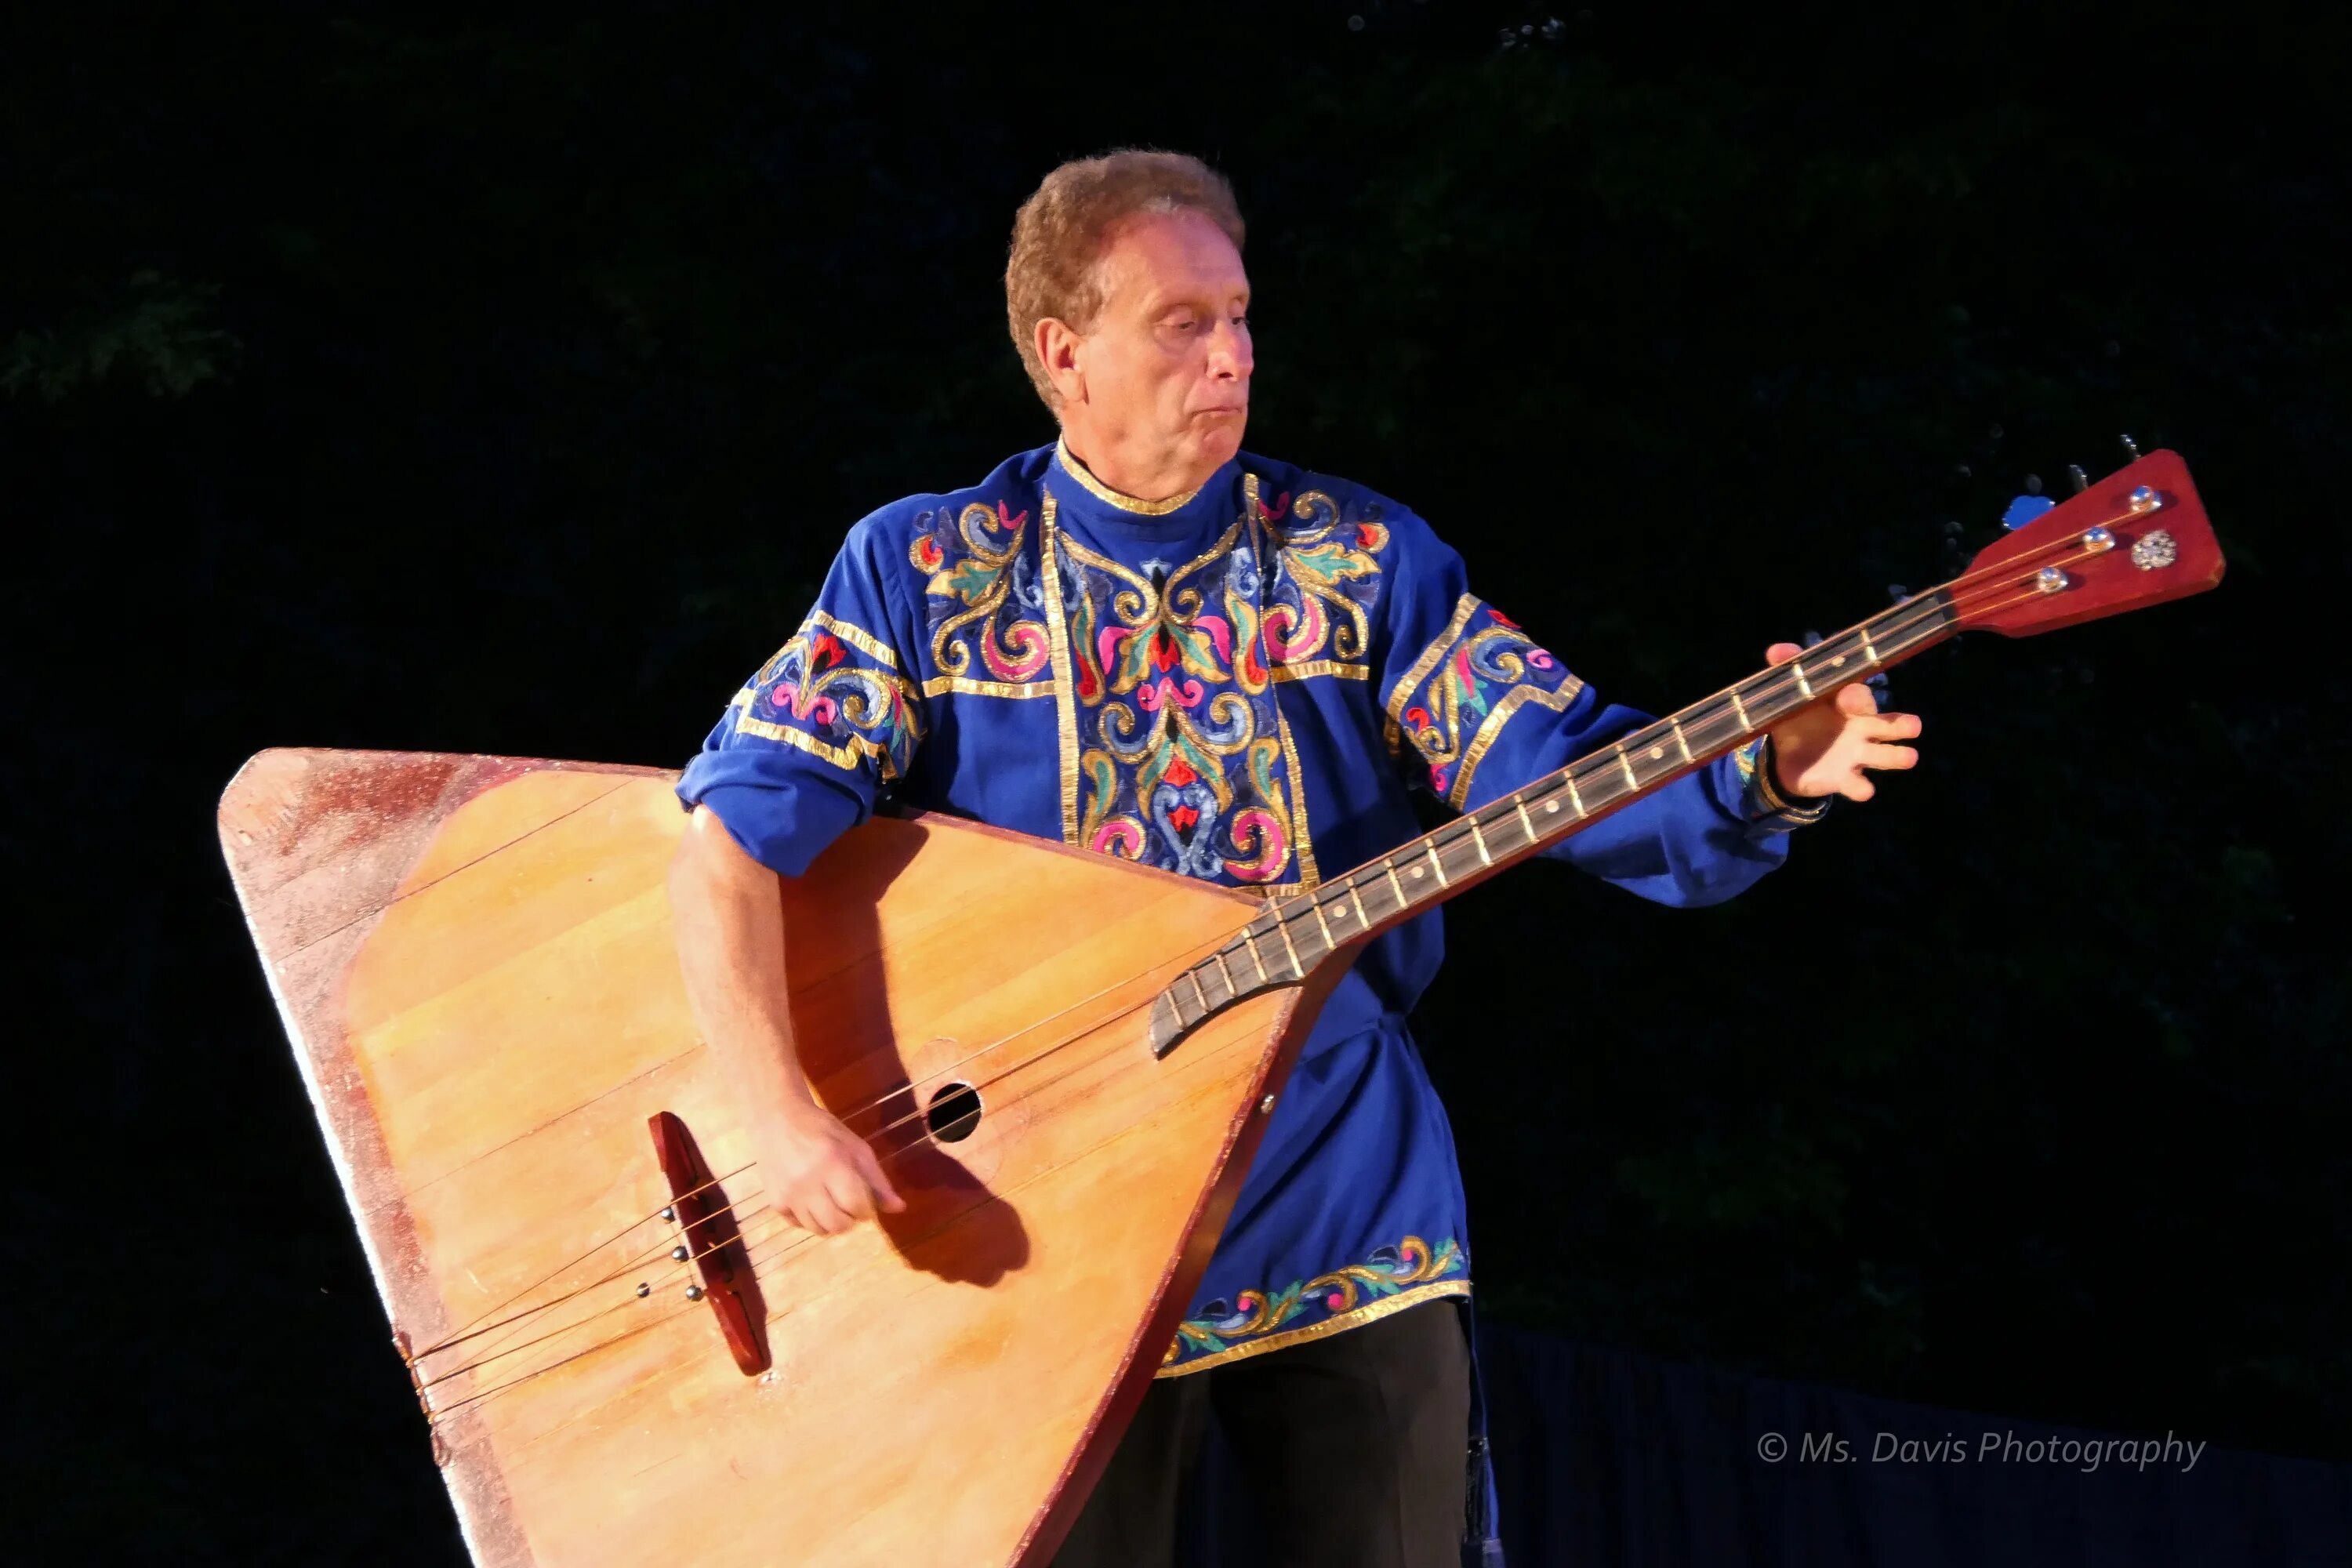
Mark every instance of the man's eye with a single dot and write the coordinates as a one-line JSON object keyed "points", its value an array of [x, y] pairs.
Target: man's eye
{"points": [[1242, 320]]}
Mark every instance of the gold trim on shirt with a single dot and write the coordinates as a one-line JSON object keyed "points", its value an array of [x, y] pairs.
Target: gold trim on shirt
{"points": [[1335, 1323], [1307, 670], [863, 641], [1768, 791], [1102, 492], [1556, 700], [842, 757], [1302, 836], [1463, 608], [1057, 644], [964, 686]]}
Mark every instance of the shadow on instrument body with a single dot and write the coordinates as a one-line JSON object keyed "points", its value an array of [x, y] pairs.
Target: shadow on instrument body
{"points": [[954, 1226]]}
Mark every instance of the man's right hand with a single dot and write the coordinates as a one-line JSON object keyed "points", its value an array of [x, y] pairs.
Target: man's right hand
{"points": [[816, 1173]]}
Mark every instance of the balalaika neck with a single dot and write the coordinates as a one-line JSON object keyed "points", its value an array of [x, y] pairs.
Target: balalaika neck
{"points": [[1283, 945]]}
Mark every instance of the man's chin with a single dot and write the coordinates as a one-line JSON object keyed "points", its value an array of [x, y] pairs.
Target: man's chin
{"points": [[1220, 436]]}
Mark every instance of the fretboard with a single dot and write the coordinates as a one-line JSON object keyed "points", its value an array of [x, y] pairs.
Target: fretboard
{"points": [[1283, 944]]}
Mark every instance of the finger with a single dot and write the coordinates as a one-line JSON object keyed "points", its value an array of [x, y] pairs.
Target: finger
{"points": [[849, 1192], [871, 1168], [817, 1210], [1856, 700], [1857, 788], [1894, 757], [1781, 652], [1890, 727]]}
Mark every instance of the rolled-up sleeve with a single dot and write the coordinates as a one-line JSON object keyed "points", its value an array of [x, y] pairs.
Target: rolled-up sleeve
{"points": [[807, 743]]}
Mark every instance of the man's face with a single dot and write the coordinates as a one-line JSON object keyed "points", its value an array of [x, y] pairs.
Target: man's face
{"points": [[1168, 364]]}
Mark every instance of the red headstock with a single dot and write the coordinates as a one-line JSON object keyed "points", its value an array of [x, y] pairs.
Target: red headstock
{"points": [[2136, 537]]}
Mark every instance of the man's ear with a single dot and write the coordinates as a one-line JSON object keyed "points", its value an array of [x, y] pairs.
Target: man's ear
{"points": [[1058, 351]]}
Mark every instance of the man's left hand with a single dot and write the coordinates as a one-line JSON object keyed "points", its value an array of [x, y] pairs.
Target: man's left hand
{"points": [[1824, 747]]}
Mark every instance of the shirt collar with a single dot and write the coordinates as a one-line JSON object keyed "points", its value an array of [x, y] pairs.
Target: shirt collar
{"points": [[1082, 495]]}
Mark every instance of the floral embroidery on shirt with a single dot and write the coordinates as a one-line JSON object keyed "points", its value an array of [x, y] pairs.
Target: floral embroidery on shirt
{"points": [[1181, 760], [1176, 753], [1221, 1325], [1180, 753], [1326, 577], [981, 593], [836, 692], [1455, 698]]}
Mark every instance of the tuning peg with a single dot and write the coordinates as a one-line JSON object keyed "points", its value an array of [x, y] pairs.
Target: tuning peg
{"points": [[2130, 447], [2077, 478]]}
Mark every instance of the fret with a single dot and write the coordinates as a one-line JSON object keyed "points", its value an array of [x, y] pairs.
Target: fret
{"points": [[1480, 840], [1797, 668], [1436, 863], [1633, 780], [1868, 652], [1740, 709], [1249, 940], [1403, 902], [1771, 704], [1317, 905], [1282, 928], [1527, 822], [1679, 740], [1199, 995], [1362, 920], [1716, 730], [1925, 620], [1232, 990], [1574, 799]]}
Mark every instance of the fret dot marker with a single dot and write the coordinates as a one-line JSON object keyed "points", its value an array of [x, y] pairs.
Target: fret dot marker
{"points": [[1552, 806], [1836, 661], [1414, 873], [1656, 751]]}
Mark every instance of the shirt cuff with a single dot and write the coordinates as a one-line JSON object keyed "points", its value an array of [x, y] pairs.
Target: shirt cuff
{"points": [[1767, 808], [783, 817]]}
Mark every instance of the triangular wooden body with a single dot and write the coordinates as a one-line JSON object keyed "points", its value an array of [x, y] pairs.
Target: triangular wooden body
{"points": [[474, 959]]}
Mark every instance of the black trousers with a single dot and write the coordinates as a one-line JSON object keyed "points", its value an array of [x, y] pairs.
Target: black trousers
{"points": [[1355, 1446]]}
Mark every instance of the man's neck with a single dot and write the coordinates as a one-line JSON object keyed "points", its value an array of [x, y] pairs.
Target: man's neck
{"points": [[1148, 478]]}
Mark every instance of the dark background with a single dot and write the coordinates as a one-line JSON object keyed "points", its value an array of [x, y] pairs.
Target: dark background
{"points": [[367, 381]]}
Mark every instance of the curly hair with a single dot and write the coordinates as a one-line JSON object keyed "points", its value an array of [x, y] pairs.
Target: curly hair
{"points": [[1059, 234]]}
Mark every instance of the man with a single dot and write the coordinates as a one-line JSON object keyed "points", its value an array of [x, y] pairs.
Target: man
{"points": [[1145, 642]]}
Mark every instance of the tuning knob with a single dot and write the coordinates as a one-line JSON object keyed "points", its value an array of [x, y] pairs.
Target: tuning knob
{"points": [[2130, 447], [2077, 478]]}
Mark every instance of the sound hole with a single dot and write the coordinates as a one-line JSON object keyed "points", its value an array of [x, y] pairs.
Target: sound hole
{"points": [[954, 1114]]}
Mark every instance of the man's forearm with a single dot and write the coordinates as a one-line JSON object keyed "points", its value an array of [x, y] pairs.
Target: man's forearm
{"points": [[729, 922]]}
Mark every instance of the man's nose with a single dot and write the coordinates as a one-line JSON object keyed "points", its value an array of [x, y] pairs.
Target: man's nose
{"points": [[1229, 352]]}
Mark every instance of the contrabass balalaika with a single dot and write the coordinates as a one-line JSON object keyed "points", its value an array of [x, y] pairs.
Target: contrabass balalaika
{"points": [[1064, 1061]]}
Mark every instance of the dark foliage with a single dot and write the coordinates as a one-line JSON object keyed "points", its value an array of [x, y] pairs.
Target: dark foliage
{"points": [[506, 387]]}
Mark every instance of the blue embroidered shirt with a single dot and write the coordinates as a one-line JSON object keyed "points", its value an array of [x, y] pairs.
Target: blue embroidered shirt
{"points": [[1241, 685]]}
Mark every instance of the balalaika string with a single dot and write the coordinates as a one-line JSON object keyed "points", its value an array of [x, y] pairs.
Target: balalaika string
{"points": [[1940, 610]]}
